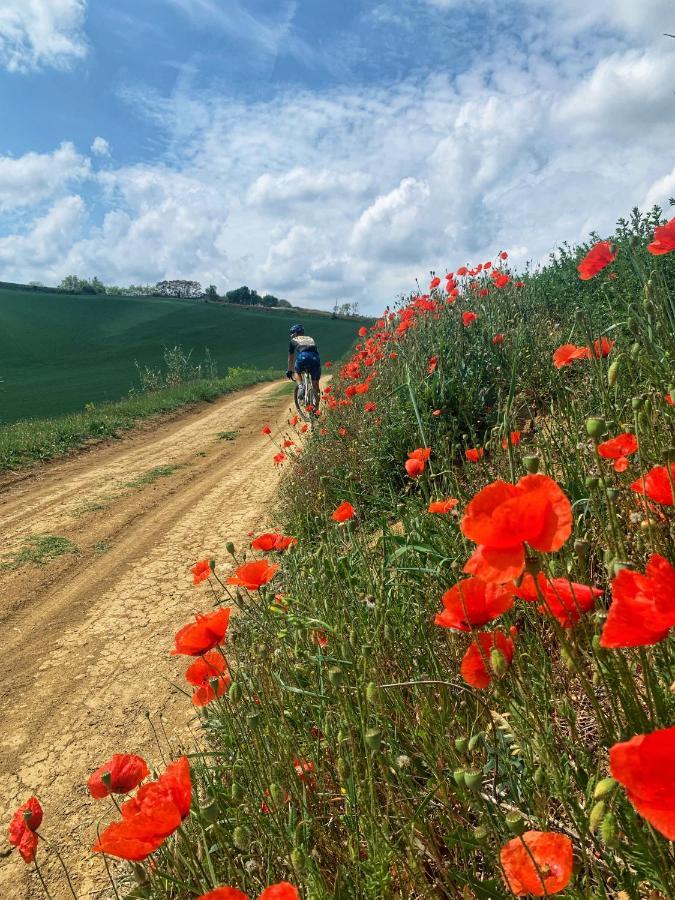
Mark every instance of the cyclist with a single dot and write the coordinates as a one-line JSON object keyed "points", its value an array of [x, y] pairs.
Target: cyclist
{"points": [[303, 356]]}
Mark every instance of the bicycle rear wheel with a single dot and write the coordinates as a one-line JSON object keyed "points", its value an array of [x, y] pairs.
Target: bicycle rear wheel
{"points": [[306, 401]]}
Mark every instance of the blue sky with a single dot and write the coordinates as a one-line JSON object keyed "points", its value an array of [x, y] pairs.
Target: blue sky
{"points": [[320, 150]]}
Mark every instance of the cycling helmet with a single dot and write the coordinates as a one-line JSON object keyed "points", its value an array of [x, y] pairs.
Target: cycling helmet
{"points": [[297, 329]]}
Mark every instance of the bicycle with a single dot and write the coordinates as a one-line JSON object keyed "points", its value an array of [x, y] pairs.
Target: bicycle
{"points": [[305, 399]]}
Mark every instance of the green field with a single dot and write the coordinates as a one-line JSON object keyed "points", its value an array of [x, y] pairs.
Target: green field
{"points": [[58, 352]]}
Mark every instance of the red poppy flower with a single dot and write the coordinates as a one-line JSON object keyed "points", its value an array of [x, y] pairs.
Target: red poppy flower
{"points": [[434, 283], [254, 575], [514, 438], [500, 279], [414, 467], [273, 541], [565, 355], [468, 318], [279, 458], [618, 449], [462, 270], [503, 255], [205, 633], [123, 772], [498, 339], [597, 259], [503, 517], [602, 347], [645, 766], [669, 399], [421, 453], [475, 670], [656, 485], [293, 421], [433, 363], [210, 677], [473, 454], [266, 429], [664, 239], [363, 331], [224, 893], [200, 571], [566, 600], [344, 512], [151, 816], [281, 891], [370, 407], [436, 412], [441, 507], [553, 856], [643, 606], [473, 603], [25, 822]]}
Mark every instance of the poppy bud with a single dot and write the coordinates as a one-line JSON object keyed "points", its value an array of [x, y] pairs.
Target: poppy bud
{"points": [[298, 860], [649, 307], [253, 718], [473, 779], [210, 813], [596, 816], [241, 837], [235, 692], [498, 662], [539, 776], [371, 692], [567, 659], [461, 743], [277, 794], [595, 427], [343, 769], [515, 822], [604, 788], [634, 326], [613, 372], [480, 833], [458, 776], [373, 739], [609, 832], [229, 546], [335, 676], [212, 565], [236, 792], [140, 874], [531, 464], [473, 742]]}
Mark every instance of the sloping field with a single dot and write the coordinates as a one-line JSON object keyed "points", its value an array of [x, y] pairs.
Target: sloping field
{"points": [[59, 352]]}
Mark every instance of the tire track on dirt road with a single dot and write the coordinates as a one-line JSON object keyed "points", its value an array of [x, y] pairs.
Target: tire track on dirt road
{"points": [[85, 638]]}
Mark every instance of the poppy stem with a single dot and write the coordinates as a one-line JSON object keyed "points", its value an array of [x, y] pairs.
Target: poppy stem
{"points": [[54, 850], [42, 881]]}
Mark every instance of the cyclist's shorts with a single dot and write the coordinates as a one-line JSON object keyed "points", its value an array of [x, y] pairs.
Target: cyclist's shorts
{"points": [[309, 361]]}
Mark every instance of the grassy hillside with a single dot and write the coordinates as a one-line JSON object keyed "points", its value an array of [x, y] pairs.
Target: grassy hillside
{"points": [[59, 352]]}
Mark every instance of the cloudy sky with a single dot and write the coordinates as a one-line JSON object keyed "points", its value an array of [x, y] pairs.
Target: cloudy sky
{"points": [[324, 150]]}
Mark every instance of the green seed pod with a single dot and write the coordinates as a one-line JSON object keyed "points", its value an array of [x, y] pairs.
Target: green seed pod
{"points": [[298, 860], [473, 779], [480, 833], [461, 743], [234, 692], [539, 776], [515, 822], [637, 403], [458, 776], [595, 427], [210, 813], [531, 464], [596, 816], [475, 740], [613, 372], [604, 788], [343, 769], [236, 792], [277, 794], [229, 546], [498, 662], [609, 832], [372, 692], [373, 739], [591, 482], [335, 676], [241, 837]]}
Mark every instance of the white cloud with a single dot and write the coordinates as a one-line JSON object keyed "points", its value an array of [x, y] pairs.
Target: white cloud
{"points": [[353, 193], [44, 248], [36, 34], [35, 177], [100, 147]]}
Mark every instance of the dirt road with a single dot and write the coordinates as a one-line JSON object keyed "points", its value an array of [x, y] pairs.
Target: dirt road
{"points": [[85, 636]]}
